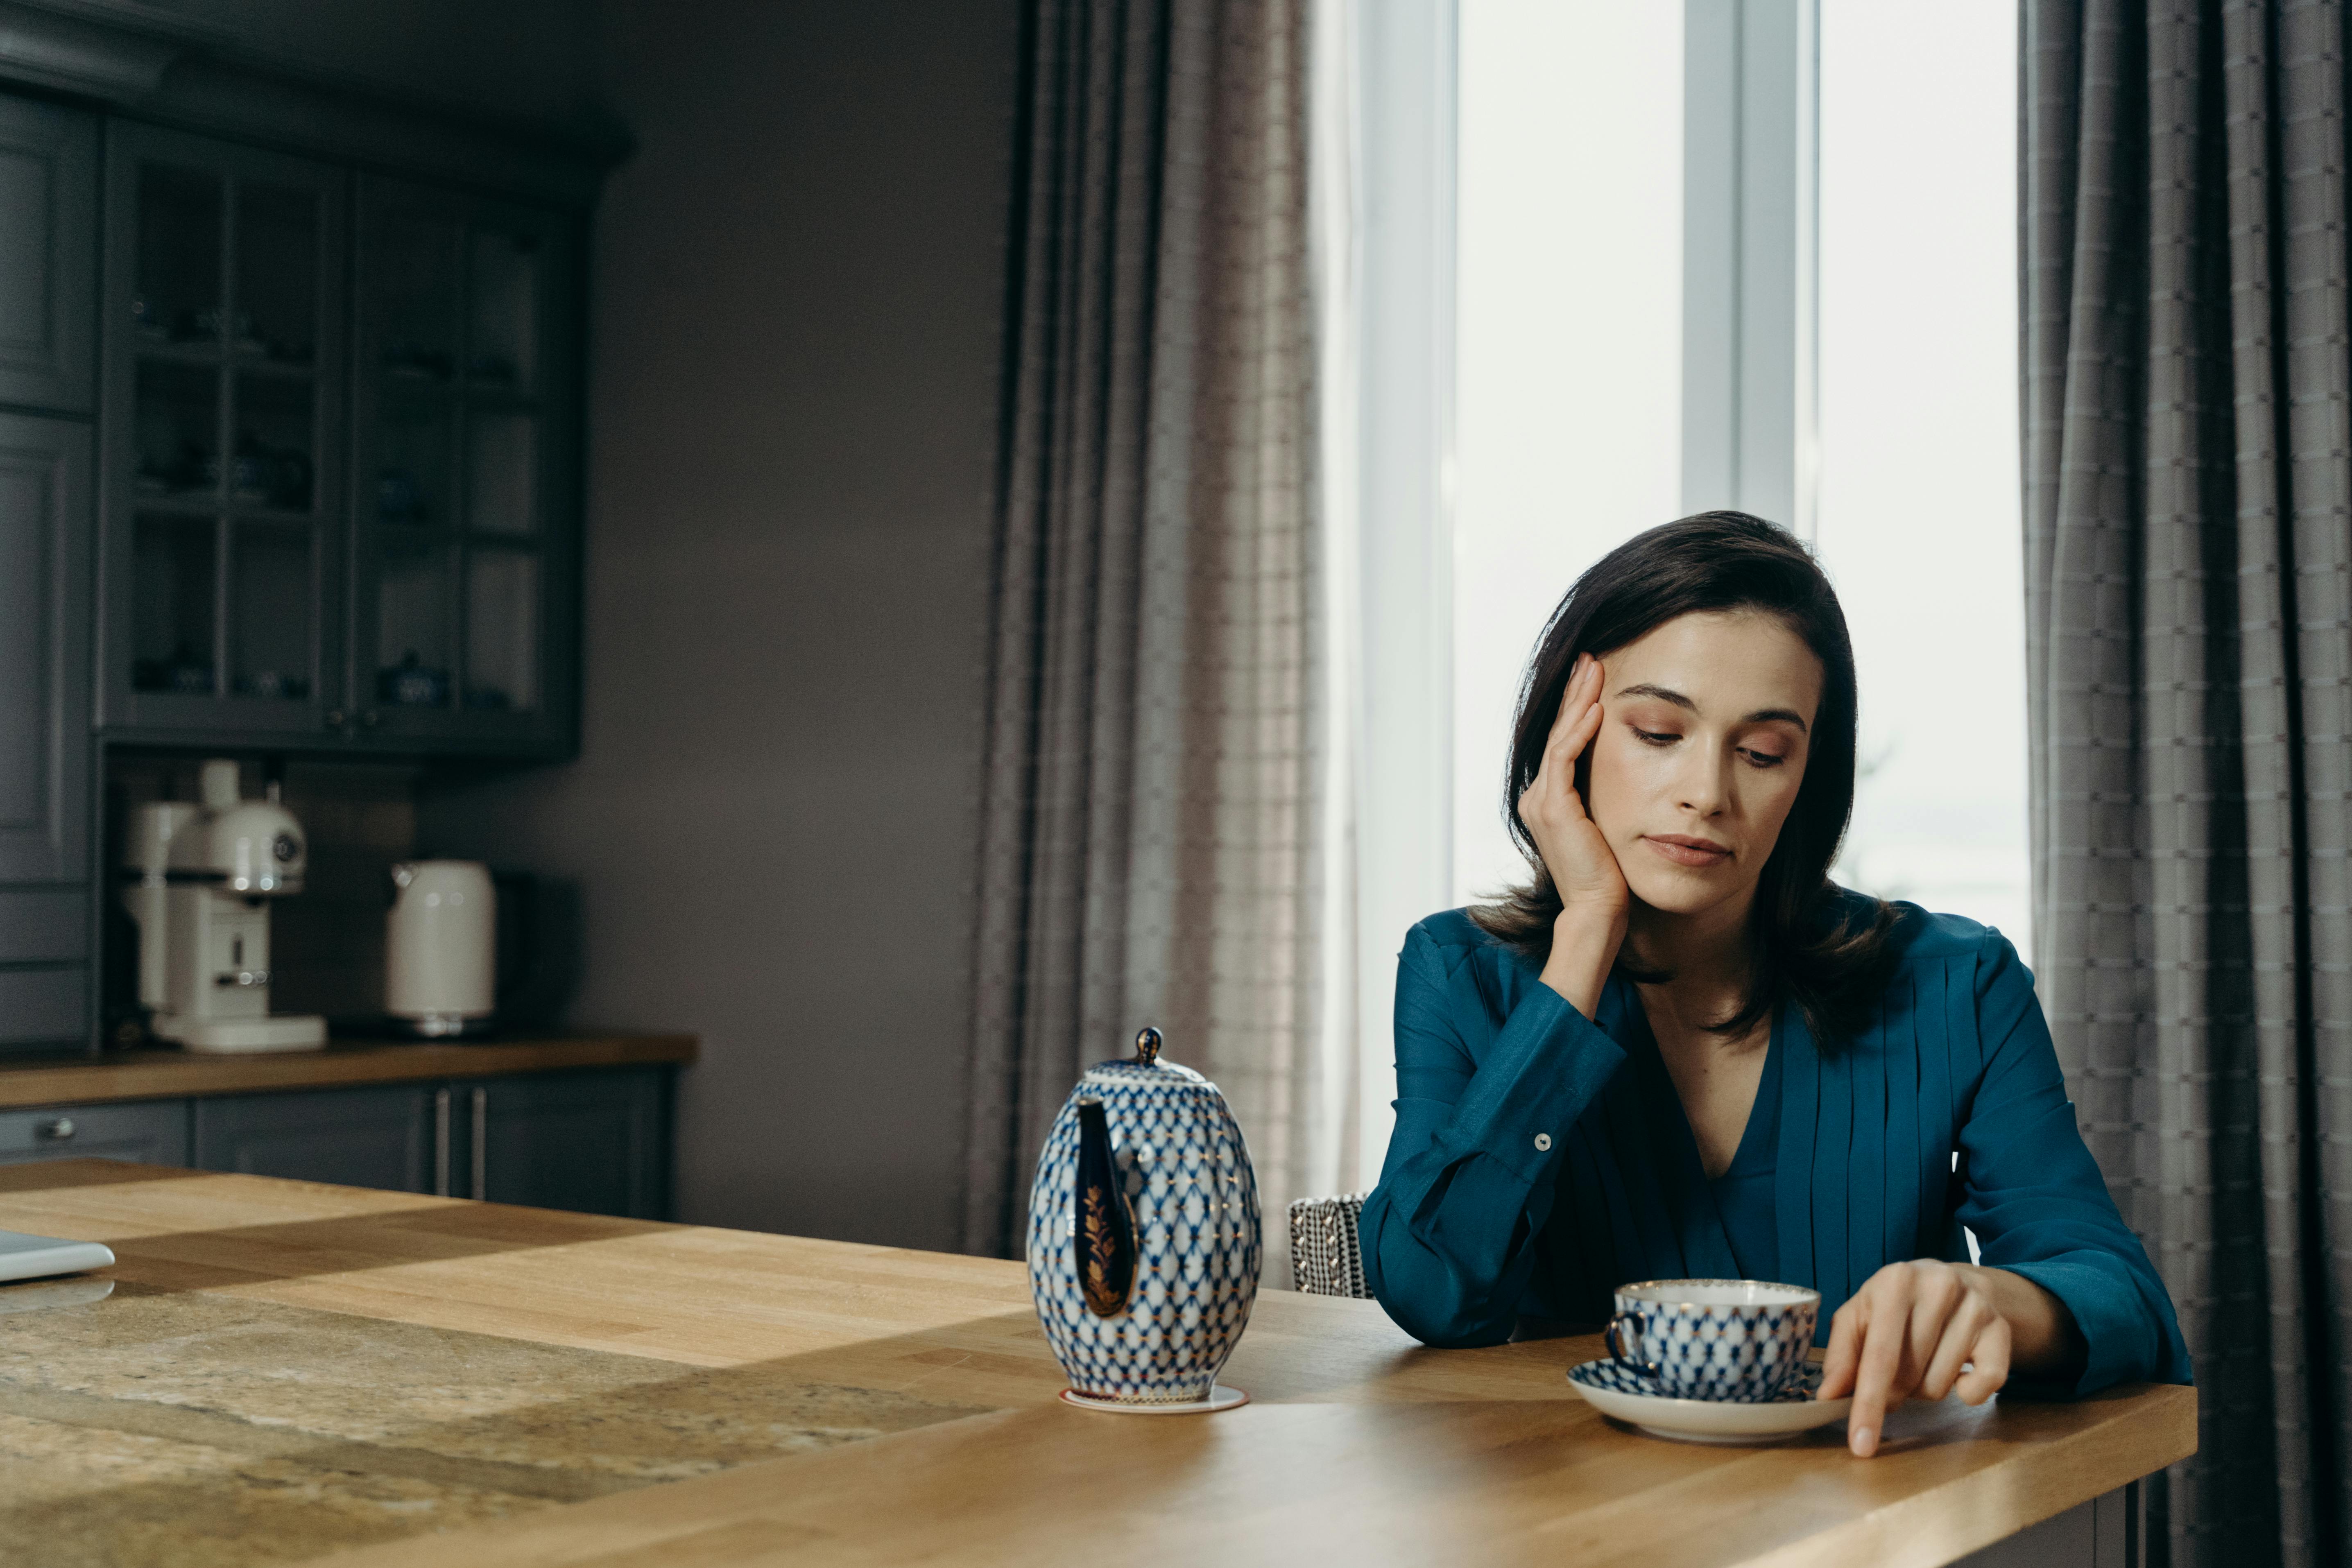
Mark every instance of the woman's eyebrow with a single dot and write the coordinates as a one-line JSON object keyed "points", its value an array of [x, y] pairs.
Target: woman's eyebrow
{"points": [[1762, 715], [1662, 694]]}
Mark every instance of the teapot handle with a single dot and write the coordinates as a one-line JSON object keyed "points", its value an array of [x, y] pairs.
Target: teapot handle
{"points": [[1106, 1225]]}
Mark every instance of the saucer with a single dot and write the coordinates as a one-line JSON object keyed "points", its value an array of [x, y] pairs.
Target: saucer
{"points": [[1220, 1398], [1632, 1397]]}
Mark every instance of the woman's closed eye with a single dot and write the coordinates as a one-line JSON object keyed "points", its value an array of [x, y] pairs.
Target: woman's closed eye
{"points": [[1762, 759]]}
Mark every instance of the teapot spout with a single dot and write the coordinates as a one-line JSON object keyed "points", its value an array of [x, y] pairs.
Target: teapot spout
{"points": [[1105, 1222]]}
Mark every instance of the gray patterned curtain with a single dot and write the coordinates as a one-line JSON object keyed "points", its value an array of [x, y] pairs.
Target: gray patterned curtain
{"points": [[2187, 376], [1149, 830]]}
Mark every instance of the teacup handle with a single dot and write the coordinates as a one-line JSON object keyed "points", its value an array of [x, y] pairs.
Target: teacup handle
{"points": [[1625, 1330]]}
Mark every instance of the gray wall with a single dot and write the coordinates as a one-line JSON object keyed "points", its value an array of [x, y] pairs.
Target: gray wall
{"points": [[792, 408]]}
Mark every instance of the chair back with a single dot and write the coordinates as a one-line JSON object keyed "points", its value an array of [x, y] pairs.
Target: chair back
{"points": [[1326, 1257]]}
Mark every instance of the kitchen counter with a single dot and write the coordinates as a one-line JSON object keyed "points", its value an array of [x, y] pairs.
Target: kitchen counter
{"points": [[170, 1074], [286, 1372]]}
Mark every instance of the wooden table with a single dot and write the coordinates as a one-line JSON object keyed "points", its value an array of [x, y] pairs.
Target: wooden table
{"points": [[294, 1372]]}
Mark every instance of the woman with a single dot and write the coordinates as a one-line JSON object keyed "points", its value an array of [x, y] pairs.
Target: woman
{"points": [[1680, 1051]]}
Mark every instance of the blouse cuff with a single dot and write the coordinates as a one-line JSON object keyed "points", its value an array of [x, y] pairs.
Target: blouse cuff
{"points": [[2109, 1316]]}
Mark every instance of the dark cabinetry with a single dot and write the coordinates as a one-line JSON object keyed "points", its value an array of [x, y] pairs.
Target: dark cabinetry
{"points": [[48, 235], [45, 743], [48, 226], [339, 520], [222, 404], [462, 423], [593, 1141], [153, 1132], [354, 1137]]}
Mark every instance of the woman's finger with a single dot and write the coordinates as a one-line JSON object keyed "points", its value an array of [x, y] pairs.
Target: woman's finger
{"points": [[1936, 1292], [1572, 704], [1845, 1350], [1961, 1328], [1569, 706], [1587, 722], [1989, 1359], [1875, 1385]]}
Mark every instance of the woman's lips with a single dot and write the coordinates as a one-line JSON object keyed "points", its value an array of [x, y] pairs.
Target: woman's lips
{"points": [[1685, 851]]}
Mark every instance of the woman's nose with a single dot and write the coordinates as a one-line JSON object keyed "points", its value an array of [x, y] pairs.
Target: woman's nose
{"points": [[1706, 784]]}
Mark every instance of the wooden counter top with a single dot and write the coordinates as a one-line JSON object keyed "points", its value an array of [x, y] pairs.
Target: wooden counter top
{"points": [[170, 1074], [291, 1373]]}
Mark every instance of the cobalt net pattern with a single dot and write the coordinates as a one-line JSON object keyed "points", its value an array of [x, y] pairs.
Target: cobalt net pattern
{"points": [[1197, 1229]]}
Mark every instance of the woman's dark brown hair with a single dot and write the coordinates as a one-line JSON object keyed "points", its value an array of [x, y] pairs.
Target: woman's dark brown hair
{"points": [[1829, 953]]}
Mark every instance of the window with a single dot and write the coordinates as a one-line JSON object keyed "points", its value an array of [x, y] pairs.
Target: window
{"points": [[1571, 412], [1919, 522]]}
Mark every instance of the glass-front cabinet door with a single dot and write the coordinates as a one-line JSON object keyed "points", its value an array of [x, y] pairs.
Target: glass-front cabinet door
{"points": [[221, 416], [463, 408]]}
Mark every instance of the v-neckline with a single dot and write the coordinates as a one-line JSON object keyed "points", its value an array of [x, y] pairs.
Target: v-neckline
{"points": [[1703, 1239], [1749, 1149], [1747, 1129]]}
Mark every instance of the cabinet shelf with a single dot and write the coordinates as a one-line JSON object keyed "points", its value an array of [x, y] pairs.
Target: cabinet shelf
{"points": [[210, 357]]}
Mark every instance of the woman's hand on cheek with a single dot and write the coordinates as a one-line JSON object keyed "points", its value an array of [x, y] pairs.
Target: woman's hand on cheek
{"points": [[1583, 870], [1908, 1331]]}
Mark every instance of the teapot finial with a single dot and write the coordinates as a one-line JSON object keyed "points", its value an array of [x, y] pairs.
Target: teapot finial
{"points": [[1146, 1046]]}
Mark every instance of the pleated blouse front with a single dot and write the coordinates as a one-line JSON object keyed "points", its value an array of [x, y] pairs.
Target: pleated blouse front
{"points": [[1539, 1159]]}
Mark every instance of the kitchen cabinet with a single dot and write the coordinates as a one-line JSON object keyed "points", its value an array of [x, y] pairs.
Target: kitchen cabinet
{"points": [[48, 238], [464, 471], [597, 1143], [593, 1141], [382, 1137], [334, 518], [153, 1132], [221, 412], [45, 743]]}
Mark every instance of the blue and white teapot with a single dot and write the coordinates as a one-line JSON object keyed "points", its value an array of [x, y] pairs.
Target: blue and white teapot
{"points": [[1144, 1235]]}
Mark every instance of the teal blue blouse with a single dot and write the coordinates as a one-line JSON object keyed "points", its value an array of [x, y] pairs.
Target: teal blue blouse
{"points": [[1540, 1159]]}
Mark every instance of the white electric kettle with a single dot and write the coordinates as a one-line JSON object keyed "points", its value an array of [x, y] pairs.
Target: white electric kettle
{"points": [[440, 958]]}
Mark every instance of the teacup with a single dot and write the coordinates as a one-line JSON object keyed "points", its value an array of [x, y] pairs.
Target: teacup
{"points": [[1738, 1342]]}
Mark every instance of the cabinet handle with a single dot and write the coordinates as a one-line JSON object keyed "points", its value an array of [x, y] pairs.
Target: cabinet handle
{"points": [[60, 1130], [440, 1143], [370, 718], [481, 1144], [335, 717]]}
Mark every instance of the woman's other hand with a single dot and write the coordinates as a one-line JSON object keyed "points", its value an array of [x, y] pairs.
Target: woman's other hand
{"points": [[1927, 1327], [1584, 872]]}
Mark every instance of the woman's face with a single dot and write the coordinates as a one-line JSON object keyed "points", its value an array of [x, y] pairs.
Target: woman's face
{"points": [[1705, 731]]}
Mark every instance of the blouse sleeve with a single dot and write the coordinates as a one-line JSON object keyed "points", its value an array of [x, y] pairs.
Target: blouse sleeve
{"points": [[2036, 1198], [1471, 1166]]}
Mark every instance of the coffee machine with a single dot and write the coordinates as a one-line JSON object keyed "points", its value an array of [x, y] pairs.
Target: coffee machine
{"points": [[201, 879]]}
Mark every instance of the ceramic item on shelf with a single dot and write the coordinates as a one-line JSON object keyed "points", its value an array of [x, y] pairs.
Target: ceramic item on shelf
{"points": [[1737, 1340], [1144, 1236], [1629, 1397], [399, 498], [410, 684]]}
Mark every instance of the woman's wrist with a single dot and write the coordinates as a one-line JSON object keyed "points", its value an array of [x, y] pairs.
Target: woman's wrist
{"points": [[2045, 1343], [1584, 941]]}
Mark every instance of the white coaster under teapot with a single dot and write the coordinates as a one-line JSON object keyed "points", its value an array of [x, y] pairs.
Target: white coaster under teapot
{"points": [[1615, 1389]]}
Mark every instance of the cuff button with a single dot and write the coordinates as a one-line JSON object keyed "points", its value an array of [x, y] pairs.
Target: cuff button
{"points": [[1543, 1140]]}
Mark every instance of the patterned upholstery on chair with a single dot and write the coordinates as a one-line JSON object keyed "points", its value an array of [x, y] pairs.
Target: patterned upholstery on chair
{"points": [[1326, 1258]]}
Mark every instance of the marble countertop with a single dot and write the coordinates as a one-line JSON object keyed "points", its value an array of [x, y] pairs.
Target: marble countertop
{"points": [[282, 1371], [186, 1428]]}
